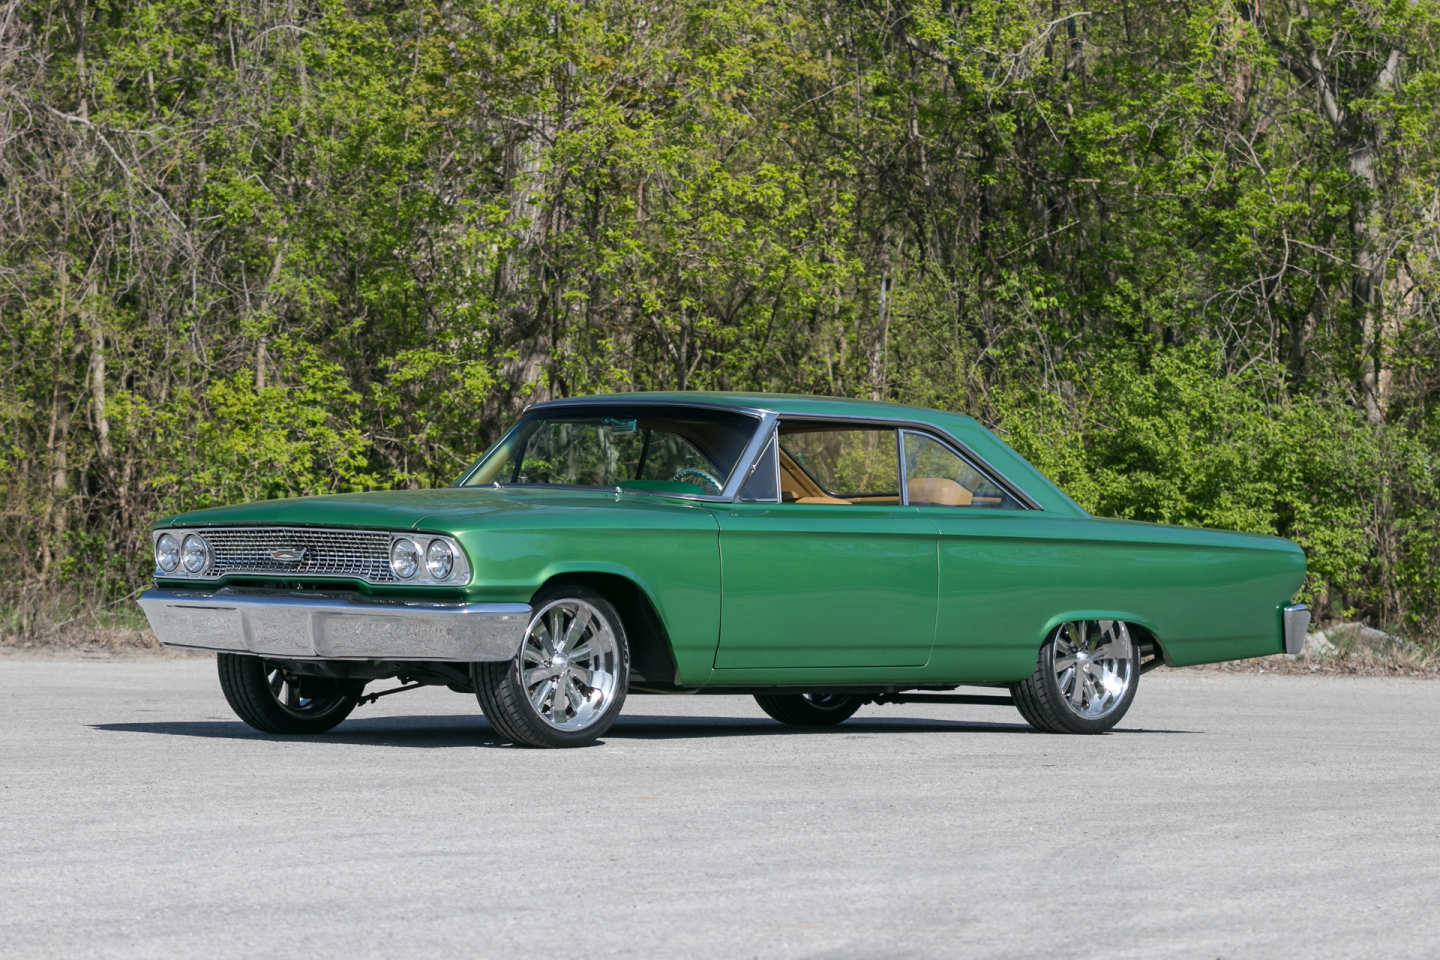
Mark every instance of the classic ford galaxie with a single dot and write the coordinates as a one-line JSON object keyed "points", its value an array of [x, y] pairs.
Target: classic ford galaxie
{"points": [[817, 553]]}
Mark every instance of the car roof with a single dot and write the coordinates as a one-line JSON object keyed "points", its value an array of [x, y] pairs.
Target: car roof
{"points": [[783, 403]]}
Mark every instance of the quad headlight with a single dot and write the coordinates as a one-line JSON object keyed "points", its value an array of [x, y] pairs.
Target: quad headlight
{"points": [[404, 558], [194, 554], [439, 560], [167, 552]]}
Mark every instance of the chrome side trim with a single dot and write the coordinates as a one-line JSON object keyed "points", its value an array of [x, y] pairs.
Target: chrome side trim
{"points": [[311, 625], [1296, 619]]}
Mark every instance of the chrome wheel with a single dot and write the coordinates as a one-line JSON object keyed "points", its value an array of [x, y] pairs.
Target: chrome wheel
{"points": [[285, 688], [270, 698], [1094, 666], [570, 664]]}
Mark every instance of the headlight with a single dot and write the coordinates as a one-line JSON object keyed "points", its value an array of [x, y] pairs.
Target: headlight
{"points": [[195, 555], [404, 558], [167, 552], [439, 560]]}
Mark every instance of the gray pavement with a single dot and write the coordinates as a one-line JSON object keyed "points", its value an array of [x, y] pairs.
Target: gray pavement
{"points": [[1231, 816]]}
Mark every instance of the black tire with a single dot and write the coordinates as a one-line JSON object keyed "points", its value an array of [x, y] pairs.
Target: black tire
{"points": [[511, 705], [1024, 700], [272, 700], [1048, 699], [808, 709]]}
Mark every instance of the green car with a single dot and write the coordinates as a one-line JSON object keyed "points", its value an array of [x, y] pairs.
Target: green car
{"points": [[816, 553]]}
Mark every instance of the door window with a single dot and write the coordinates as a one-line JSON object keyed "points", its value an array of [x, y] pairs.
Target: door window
{"points": [[838, 463], [936, 476]]}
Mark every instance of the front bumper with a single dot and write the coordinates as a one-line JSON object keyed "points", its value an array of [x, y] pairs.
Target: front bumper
{"points": [[308, 625]]}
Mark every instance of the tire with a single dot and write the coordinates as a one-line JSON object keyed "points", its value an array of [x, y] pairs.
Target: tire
{"points": [[273, 700], [808, 709], [1084, 681], [519, 696]]}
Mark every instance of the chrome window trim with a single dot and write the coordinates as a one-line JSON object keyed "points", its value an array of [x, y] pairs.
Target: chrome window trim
{"points": [[975, 462], [751, 458], [904, 474], [935, 433], [768, 419], [770, 451], [614, 401]]}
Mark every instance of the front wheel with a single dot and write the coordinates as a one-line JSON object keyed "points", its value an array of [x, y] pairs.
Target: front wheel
{"points": [[566, 684], [273, 700], [808, 709], [1084, 680]]}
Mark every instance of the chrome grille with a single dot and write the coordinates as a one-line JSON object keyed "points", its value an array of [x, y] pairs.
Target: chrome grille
{"points": [[364, 554]]}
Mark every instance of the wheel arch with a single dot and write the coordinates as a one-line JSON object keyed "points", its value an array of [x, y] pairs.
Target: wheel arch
{"points": [[652, 661], [1142, 632]]}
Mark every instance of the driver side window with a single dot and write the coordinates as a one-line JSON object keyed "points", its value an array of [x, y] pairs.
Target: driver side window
{"points": [[670, 456]]}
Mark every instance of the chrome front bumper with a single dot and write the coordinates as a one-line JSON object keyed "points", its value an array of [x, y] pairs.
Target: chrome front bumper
{"points": [[305, 625], [1296, 620]]}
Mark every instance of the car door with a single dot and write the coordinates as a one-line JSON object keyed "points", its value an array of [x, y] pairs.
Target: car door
{"points": [[996, 569], [826, 568]]}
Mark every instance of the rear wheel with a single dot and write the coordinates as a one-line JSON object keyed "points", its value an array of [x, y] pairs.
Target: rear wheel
{"points": [[567, 683], [808, 709], [1084, 681], [273, 700]]}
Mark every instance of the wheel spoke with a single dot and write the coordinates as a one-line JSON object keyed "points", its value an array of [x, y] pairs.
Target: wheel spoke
{"points": [[541, 634], [277, 680], [537, 696], [557, 629], [539, 674], [557, 698], [582, 674], [292, 693], [583, 652], [1077, 692], [577, 627], [574, 696], [1065, 662], [1064, 677]]}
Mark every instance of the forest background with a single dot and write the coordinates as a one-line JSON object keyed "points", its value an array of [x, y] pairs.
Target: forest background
{"points": [[1184, 255]]}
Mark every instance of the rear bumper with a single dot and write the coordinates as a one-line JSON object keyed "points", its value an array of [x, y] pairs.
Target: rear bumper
{"points": [[306, 625], [1296, 621]]}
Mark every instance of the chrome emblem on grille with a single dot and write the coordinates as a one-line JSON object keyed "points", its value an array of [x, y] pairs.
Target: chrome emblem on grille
{"points": [[290, 556]]}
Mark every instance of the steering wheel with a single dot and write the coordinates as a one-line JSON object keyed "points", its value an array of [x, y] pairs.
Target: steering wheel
{"points": [[683, 473]]}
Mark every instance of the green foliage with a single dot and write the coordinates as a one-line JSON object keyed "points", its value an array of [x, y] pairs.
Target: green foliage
{"points": [[1185, 258]]}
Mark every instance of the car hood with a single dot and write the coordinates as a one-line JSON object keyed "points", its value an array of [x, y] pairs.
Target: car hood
{"points": [[447, 510]]}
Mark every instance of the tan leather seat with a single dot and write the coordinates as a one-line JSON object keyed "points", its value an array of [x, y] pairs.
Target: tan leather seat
{"points": [[937, 491], [821, 500]]}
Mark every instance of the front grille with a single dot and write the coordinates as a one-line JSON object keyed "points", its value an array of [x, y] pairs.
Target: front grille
{"points": [[363, 554]]}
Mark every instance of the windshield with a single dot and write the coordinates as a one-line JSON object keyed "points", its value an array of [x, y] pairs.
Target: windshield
{"points": [[656, 449]]}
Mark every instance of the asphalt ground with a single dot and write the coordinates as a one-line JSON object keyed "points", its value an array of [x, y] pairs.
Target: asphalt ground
{"points": [[1231, 815]]}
